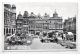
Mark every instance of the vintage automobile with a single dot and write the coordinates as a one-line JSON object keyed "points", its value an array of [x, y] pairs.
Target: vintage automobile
{"points": [[48, 37], [17, 40]]}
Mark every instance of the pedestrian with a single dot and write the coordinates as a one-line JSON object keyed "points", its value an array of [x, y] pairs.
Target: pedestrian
{"points": [[67, 36], [64, 36], [56, 40]]}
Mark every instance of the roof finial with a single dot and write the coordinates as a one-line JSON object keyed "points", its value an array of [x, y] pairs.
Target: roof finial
{"points": [[45, 14], [32, 13], [55, 11]]}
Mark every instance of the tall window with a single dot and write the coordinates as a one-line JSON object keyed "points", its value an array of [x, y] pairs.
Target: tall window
{"points": [[4, 31]]}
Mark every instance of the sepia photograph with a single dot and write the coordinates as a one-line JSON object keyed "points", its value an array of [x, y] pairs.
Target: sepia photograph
{"points": [[40, 26]]}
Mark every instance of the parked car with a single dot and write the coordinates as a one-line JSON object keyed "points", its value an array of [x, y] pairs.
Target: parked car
{"points": [[48, 37]]}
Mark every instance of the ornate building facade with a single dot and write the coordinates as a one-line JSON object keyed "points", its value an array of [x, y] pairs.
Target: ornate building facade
{"points": [[33, 24], [55, 23], [9, 19], [45, 22], [25, 22], [19, 25], [22, 26]]}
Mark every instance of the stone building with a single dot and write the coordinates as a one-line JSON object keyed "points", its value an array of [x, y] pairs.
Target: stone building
{"points": [[19, 25], [70, 25], [55, 23], [45, 22], [13, 19], [32, 23], [38, 24], [22, 26], [25, 22], [9, 19]]}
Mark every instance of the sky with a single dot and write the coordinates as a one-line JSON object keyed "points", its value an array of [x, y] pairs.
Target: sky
{"points": [[64, 10]]}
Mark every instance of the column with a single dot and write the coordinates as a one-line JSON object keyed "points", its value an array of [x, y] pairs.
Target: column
{"points": [[8, 30], [5, 31], [15, 30], [28, 29], [11, 31]]}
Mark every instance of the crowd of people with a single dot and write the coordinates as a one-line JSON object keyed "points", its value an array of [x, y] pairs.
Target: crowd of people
{"points": [[65, 36]]}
